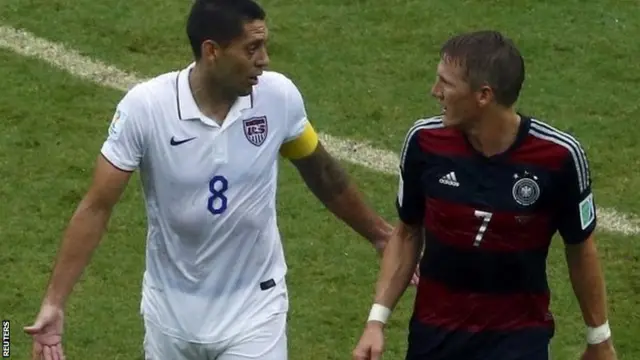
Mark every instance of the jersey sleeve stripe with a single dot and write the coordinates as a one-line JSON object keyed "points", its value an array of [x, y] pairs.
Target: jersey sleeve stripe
{"points": [[548, 133], [562, 134], [575, 154], [422, 124], [581, 156]]}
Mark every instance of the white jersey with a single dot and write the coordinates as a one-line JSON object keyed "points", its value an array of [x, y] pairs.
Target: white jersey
{"points": [[214, 259]]}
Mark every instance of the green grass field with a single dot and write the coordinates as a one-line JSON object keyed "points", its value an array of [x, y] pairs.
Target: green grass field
{"points": [[365, 68]]}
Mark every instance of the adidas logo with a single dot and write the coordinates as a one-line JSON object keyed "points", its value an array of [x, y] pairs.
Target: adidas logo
{"points": [[450, 179]]}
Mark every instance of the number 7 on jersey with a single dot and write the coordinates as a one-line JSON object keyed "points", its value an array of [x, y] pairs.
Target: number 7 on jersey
{"points": [[486, 217]]}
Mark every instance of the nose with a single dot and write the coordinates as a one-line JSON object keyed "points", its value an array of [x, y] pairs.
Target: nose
{"points": [[263, 60], [434, 91]]}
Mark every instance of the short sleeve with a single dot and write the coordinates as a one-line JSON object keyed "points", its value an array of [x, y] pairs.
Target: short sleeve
{"points": [[577, 219], [410, 199], [125, 141], [296, 112]]}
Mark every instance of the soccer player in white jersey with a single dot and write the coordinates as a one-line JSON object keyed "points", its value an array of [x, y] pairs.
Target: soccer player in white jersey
{"points": [[206, 141]]}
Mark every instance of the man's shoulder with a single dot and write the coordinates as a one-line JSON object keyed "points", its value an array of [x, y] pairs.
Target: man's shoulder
{"points": [[430, 128], [144, 98], [430, 125], [552, 137], [274, 78], [155, 88], [567, 150], [275, 83]]}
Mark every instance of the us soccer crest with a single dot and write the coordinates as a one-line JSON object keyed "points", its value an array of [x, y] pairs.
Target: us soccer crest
{"points": [[526, 190], [256, 129]]}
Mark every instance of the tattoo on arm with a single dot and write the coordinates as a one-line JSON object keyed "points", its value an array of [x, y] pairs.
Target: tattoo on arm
{"points": [[329, 182], [323, 174]]}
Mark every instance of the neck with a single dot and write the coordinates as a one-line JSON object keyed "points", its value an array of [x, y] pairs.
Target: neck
{"points": [[212, 100], [494, 132]]}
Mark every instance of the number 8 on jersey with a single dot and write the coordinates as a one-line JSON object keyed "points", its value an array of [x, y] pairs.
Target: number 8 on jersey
{"points": [[217, 203]]}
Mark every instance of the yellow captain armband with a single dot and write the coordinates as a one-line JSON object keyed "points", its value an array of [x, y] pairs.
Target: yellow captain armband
{"points": [[302, 146]]}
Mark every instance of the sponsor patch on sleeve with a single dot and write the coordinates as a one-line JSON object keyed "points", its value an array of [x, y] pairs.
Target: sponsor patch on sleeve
{"points": [[587, 211], [116, 124]]}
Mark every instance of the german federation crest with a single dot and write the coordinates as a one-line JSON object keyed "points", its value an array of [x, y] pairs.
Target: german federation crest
{"points": [[255, 129], [526, 191]]}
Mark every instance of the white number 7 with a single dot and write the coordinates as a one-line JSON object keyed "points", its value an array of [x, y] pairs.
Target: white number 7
{"points": [[486, 217]]}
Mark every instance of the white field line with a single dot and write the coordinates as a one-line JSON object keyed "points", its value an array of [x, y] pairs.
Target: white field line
{"points": [[24, 43]]}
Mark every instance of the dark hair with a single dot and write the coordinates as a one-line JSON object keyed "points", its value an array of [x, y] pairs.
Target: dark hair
{"points": [[219, 20], [489, 58]]}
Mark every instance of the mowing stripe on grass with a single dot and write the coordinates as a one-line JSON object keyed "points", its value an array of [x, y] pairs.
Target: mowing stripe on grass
{"points": [[24, 43]]}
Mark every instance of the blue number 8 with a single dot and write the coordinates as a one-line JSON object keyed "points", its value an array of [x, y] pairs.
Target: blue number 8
{"points": [[217, 194]]}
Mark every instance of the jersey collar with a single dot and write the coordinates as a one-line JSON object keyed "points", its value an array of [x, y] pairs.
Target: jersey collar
{"points": [[521, 136], [188, 109]]}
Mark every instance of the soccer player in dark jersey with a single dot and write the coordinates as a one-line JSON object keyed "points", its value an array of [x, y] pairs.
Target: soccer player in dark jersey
{"points": [[485, 188]]}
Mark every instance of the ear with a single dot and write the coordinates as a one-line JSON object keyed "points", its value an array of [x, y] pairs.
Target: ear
{"points": [[484, 95], [210, 50]]}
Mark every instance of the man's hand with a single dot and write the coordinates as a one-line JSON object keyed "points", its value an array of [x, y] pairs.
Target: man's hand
{"points": [[371, 344], [587, 281], [602, 351], [81, 238], [47, 334]]}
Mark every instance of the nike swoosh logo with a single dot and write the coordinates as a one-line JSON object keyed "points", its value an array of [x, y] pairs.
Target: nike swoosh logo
{"points": [[175, 142]]}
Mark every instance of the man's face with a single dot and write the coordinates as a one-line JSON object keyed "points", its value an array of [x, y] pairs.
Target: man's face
{"points": [[237, 66], [460, 103]]}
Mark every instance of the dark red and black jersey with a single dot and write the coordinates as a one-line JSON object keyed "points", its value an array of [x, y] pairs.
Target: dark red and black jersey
{"points": [[488, 223]]}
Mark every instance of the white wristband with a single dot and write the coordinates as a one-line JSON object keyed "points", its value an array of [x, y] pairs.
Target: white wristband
{"points": [[598, 334], [379, 313]]}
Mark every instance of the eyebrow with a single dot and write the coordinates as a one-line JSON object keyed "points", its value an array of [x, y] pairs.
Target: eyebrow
{"points": [[257, 42]]}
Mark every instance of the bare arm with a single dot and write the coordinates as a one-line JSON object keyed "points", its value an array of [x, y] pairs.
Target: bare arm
{"points": [[330, 183], [399, 259], [577, 221], [587, 281], [85, 230], [398, 264]]}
